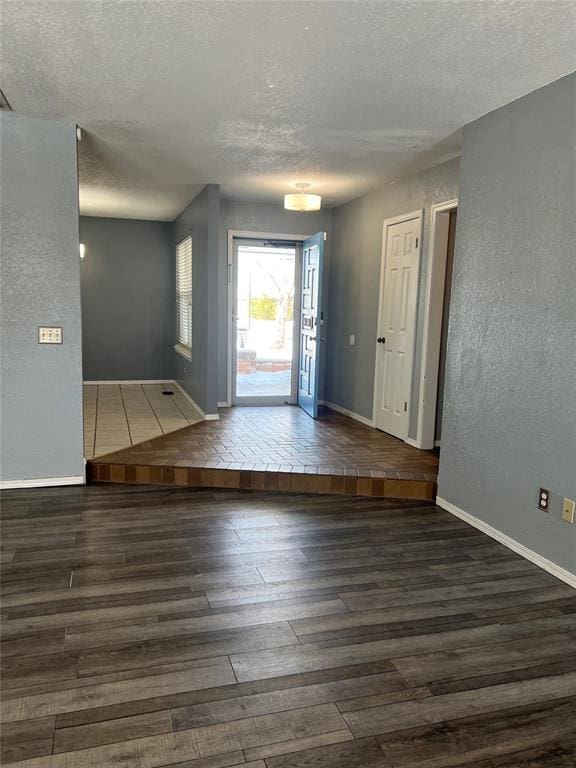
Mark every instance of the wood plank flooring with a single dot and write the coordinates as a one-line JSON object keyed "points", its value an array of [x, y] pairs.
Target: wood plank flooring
{"points": [[277, 449], [167, 627]]}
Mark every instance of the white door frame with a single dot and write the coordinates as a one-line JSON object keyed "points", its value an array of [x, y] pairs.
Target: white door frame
{"points": [[432, 332], [247, 235], [413, 215]]}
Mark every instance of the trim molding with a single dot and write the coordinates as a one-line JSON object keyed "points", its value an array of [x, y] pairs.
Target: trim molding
{"points": [[183, 351], [246, 234], [507, 541], [243, 234], [131, 381], [42, 482], [223, 404], [172, 383], [346, 412], [205, 416], [415, 444], [437, 250]]}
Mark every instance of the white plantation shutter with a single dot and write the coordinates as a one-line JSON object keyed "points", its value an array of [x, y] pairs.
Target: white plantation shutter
{"points": [[184, 293]]}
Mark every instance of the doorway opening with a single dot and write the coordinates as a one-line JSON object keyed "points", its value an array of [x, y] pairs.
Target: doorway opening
{"points": [[265, 300], [436, 320], [449, 270]]}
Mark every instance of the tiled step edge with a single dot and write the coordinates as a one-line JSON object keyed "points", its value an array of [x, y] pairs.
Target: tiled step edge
{"points": [[262, 481]]}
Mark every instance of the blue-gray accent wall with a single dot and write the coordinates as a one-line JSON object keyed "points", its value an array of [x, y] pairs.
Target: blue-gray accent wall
{"points": [[127, 280], [354, 282], [41, 385], [199, 375], [509, 422]]}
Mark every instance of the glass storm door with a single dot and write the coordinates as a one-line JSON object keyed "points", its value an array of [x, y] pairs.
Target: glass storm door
{"points": [[264, 335]]}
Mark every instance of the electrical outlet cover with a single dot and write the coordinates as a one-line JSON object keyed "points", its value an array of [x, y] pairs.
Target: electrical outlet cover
{"points": [[543, 499]]}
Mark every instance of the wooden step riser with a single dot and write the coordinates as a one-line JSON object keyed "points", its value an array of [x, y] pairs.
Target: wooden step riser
{"points": [[262, 481]]}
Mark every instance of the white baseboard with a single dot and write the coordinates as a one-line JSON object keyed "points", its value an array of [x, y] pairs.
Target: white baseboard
{"points": [[415, 444], [346, 412], [170, 382], [194, 404], [131, 381], [515, 546], [42, 482], [224, 404]]}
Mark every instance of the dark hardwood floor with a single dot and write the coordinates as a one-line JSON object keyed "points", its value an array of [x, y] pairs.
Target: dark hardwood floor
{"points": [[201, 629]]}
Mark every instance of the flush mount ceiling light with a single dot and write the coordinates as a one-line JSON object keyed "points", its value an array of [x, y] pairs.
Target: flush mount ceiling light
{"points": [[302, 201]]}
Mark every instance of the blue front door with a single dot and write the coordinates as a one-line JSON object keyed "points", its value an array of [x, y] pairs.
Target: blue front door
{"points": [[311, 320]]}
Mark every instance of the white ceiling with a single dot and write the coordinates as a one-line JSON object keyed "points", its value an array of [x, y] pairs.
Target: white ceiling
{"points": [[257, 96]]}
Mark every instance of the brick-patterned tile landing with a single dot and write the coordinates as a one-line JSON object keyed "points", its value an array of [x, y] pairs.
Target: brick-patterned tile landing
{"points": [[277, 449]]}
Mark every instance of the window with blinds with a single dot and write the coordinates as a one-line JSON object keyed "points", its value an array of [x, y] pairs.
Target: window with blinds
{"points": [[184, 296]]}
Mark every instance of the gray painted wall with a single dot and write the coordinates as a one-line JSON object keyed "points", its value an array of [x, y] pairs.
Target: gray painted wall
{"points": [[261, 217], [355, 280], [199, 375], [127, 281], [41, 385], [510, 404]]}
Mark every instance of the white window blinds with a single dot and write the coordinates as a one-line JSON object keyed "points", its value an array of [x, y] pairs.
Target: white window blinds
{"points": [[184, 293]]}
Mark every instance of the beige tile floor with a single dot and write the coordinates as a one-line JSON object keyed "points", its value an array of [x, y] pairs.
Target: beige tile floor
{"points": [[117, 416]]}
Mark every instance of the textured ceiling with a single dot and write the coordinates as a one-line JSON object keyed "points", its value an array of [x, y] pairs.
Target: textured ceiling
{"points": [[256, 96]]}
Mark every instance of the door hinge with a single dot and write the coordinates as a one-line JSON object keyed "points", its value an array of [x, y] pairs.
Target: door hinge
{"points": [[417, 241], [405, 407]]}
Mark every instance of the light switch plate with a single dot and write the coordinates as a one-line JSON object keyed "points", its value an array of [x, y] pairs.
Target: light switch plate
{"points": [[568, 509], [49, 334]]}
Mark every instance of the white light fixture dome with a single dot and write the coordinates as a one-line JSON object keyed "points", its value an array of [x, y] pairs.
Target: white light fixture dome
{"points": [[302, 201]]}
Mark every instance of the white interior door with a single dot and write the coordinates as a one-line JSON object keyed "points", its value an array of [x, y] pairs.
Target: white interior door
{"points": [[397, 325]]}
